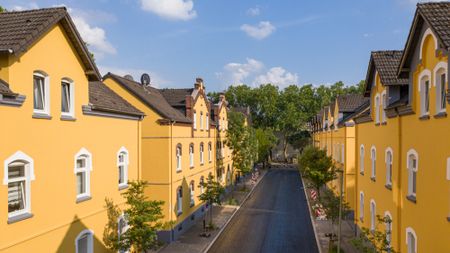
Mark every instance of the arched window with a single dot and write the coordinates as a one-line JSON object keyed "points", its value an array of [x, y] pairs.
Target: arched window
{"points": [[210, 152], [412, 164], [122, 227], [67, 98], [373, 215], [122, 165], [84, 243], [361, 160], [201, 153], [180, 200], [228, 175], [41, 93], [361, 206], [377, 108], [389, 158], [424, 89], [440, 80], [207, 121], [201, 120], [411, 240], [192, 193], [383, 107], [178, 156], [373, 158], [202, 182], [83, 168], [18, 174], [194, 120], [191, 155], [388, 227]]}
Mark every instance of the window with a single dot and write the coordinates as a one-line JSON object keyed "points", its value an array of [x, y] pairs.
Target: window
{"points": [[361, 206], [178, 154], [223, 147], [84, 243], [440, 82], [202, 181], [228, 175], [122, 165], [192, 192], [201, 153], [388, 227], [384, 104], [377, 108], [191, 155], [41, 93], [83, 167], [19, 172], [180, 200], [372, 215], [201, 120], [195, 120], [373, 158], [412, 172], [210, 152], [342, 153], [207, 121], [411, 240], [122, 227], [424, 90], [389, 167], [361, 160], [67, 98]]}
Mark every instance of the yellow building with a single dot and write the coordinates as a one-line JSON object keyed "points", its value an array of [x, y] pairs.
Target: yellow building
{"points": [[181, 146], [403, 157], [68, 141]]}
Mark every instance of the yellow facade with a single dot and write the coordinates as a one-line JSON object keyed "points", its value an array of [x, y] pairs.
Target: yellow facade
{"points": [[51, 145]]}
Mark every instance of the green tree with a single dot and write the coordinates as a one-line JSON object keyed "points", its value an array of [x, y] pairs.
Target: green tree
{"points": [[143, 217], [212, 191], [2, 9], [330, 203], [266, 140], [376, 241], [316, 166]]}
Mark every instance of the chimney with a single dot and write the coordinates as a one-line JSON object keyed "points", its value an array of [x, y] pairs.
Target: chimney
{"points": [[198, 83]]}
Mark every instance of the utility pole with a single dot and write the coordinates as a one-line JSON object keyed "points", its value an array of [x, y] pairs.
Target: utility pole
{"points": [[340, 209]]}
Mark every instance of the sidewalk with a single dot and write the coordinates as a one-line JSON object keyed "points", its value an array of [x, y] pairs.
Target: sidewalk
{"points": [[192, 242]]}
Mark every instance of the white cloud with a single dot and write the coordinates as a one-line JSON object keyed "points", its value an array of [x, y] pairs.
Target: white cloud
{"points": [[29, 6], [367, 35], [259, 32], [236, 73], [170, 9], [255, 11], [277, 76], [156, 80]]}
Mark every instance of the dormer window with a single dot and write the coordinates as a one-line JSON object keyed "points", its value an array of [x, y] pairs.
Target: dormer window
{"points": [[377, 109], [424, 89], [440, 83], [383, 107]]}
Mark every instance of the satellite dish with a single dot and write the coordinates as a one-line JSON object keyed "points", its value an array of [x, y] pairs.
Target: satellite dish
{"points": [[129, 77], [145, 79]]}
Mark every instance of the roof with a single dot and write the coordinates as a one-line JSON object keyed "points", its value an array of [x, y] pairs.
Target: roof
{"points": [[19, 30], [363, 114], [150, 96], [102, 98], [4, 89], [350, 102], [386, 63], [177, 97]]}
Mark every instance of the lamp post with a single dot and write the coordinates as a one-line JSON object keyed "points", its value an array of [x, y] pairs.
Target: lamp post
{"points": [[341, 185]]}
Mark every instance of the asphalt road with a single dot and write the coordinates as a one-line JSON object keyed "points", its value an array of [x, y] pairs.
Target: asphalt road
{"points": [[275, 218]]}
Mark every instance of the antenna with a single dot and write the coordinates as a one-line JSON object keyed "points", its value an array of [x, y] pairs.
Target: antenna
{"points": [[145, 79], [129, 77]]}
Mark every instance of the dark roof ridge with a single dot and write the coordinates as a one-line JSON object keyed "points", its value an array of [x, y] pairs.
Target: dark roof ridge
{"points": [[34, 10]]}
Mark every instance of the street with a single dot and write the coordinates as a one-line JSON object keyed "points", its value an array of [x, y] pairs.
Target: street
{"points": [[274, 219]]}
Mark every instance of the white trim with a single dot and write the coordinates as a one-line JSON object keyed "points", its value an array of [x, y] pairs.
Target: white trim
{"points": [[85, 153], [439, 66], [361, 205], [71, 84], [425, 73], [412, 152], [387, 151], [383, 103], [410, 230], [377, 108], [90, 240], [125, 163], [439, 69], [373, 214], [179, 157], [373, 162], [194, 121], [361, 158], [409, 175], [448, 168], [19, 155], [424, 36], [46, 102]]}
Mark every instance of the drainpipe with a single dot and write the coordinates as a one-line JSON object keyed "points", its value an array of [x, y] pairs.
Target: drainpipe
{"points": [[171, 180], [399, 182]]}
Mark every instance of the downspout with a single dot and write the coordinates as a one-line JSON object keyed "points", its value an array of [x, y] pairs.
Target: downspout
{"points": [[357, 162], [399, 188], [171, 179]]}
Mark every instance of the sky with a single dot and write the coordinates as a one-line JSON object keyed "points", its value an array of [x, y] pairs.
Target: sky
{"points": [[230, 42]]}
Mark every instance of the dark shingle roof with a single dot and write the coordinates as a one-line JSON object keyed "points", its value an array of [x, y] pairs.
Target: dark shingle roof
{"points": [[21, 29], [386, 63], [151, 97], [438, 16], [177, 98], [350, 102], [102, 98], [5, 90]]}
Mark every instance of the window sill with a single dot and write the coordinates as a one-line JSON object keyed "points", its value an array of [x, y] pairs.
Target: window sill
{"points": [[191, 167], [373, 179], [19, 217], [388, 186], [440, 115], [179, 213], [424, 117], [384, 123], [361, 173], [179, 170], [67, 118], [82, 199], [411, 198], [123, 186], [192, 204], [377, 124], [37, 115]]}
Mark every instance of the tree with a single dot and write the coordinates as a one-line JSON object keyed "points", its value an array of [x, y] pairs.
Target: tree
{"points": [[316, 166], [212, 192], [266, 140], [377, 241], [330, 204], [143, 217], [2, 9]]}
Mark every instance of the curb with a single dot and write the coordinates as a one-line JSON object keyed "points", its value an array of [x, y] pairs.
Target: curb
{"points": [[310, 215], [231, 217]]}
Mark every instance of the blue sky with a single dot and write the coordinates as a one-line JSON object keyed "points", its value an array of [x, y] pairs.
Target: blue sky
{"points": [[234, 41]]}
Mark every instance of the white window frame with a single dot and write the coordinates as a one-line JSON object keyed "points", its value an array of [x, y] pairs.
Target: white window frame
{"points": [[191, 155], [179, 155], [440, 69], [84, 153], [202, 180], [383, 106], [424, 36], [179, 200], [71, 112], [342, 153], [202, 150], [194, 121], [410, 231], [90, 240], [373, 162], [20, 156], [388, 228], [424, 76], [125, 163], [414, 153], [448, 168], [125, 228], [192, 193], [389, 165], [377, 108], [207, 121], [373, 215], [46, 95], [361, 206], [210, 152], [361, 159], [201, 120]]}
